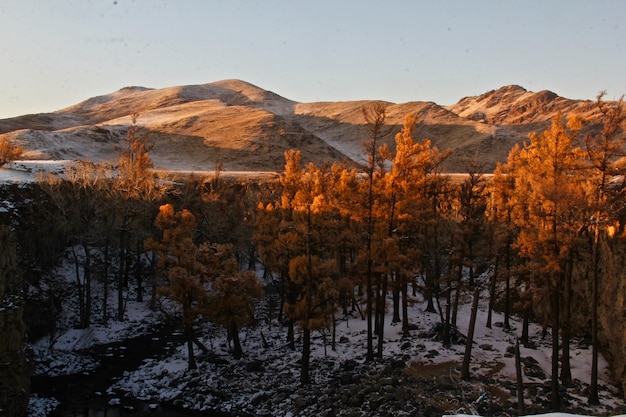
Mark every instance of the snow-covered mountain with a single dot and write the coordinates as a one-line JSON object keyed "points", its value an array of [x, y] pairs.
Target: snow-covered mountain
{"points": [[249, 128]]}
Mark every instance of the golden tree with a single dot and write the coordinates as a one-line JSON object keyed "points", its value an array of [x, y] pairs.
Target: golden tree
{"points": [[547, 201], [9, 152], [231, 301], [604, 146], [182, 259]]}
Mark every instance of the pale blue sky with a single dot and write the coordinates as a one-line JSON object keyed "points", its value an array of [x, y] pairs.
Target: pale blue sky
{"points": [[56, 53]]}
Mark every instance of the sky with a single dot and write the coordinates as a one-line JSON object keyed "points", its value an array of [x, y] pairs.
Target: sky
{"points": [[56, 53]]}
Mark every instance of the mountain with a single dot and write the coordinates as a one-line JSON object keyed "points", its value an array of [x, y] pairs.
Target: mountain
{"points": [[249, 128]]}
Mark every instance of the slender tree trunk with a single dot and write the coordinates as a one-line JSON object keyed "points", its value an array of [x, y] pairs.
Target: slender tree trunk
{"points": [[507, 291], [396, 298], [566, 372], [492, 291], [333, 342], [120, 278], [465, 371], [429, 290], [381, 312], [251, 258], [405, 307], [457, 296], [191, 360], [525, 323], [369, 297], [521, 407], [139, 273], [555, 400], [593, 386], [234, 334], [80, 287], [87, 285], [306, 355], [105, 282]]}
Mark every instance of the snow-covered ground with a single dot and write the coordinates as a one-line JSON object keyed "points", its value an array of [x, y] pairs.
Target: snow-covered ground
{"points": [[266, 380]]}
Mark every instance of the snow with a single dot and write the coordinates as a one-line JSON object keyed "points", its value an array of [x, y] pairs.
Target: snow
{"points": [[266, 370]]}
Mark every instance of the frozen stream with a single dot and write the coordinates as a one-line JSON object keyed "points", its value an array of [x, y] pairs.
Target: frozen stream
{"points": [[86, 395]]}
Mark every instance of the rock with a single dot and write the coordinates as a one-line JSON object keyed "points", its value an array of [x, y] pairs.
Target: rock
{"points": [[300, 402], [398, 364], [259, 398], [349, 365], [348, 378], [355, 400], [431, 354], [255, 366]]}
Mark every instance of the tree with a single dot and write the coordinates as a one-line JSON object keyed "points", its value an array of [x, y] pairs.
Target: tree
{"points": [[182, 259], [135, 188], [547, 198], [9, 152], [375, 118], [80, 203], [505, 231], [603, 146], [232, 294]]}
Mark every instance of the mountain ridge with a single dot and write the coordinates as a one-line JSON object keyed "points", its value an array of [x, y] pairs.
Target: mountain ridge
{"points": [[245, 127]]}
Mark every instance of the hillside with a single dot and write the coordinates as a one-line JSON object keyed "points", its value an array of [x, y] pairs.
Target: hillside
{"points": [[249, 128]]}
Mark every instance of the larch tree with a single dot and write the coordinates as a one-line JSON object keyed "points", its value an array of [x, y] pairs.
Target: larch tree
{"points": [[312, 267], [182, 260], [500, 214], [548, 196], [233, 292], [9, 152], [80, 204], [135, 189], [604, 146], [418, 197], [402, 185], [375, 119]]}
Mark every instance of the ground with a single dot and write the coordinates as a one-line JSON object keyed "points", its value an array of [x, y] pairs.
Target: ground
{"points": [[416, 376]]}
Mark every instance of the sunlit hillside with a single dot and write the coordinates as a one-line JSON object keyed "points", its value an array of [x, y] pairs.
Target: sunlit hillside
{"points": [[248, 128]]}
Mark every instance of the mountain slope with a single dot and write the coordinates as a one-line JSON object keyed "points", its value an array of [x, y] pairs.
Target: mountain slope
{"points": [[249, 128]]}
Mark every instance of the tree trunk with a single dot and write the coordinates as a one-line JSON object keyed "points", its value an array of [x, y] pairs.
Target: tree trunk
{"points": [[566, 372], [234, 334], [105, 283], [396, 298], [405, 307], [306, 355], [507, 292], [465, 371], [191, 360], [139, 274], [521, 407], [555, 400], [492, 291], [87, 285], [369, 297], [525, 323], [333, 343], [381, 315], [593, 386], [80, 287], [457, 296], [120, 279]]}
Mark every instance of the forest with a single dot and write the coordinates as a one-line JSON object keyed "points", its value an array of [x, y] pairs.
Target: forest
{"points": [[325, 240]]}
